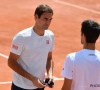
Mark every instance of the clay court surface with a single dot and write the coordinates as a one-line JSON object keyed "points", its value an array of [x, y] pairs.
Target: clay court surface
{"points": [[16, 15]]}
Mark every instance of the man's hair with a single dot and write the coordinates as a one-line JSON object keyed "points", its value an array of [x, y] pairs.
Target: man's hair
{"points": [[42, 9], [91, 29]]}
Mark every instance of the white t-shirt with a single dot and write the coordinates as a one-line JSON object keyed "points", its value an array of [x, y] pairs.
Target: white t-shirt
{"points": [[83, 68], [33, 50]]}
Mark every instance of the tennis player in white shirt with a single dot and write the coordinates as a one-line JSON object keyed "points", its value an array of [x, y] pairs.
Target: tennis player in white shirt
{"points": [[81, 70], [31, 52]]}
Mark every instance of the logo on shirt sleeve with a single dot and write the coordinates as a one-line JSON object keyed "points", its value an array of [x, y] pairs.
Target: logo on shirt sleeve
{"points": [[14, 47]]}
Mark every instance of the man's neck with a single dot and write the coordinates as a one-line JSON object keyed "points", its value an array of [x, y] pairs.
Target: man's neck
{"points": [[38, 31], [90, 46]]}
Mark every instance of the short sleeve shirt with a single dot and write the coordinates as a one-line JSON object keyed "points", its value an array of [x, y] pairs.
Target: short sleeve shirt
{"points": [[33, 51]]}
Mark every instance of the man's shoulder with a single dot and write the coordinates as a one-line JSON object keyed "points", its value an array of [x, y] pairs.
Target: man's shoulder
{"points": [[71, 56], [49, 32], [74, 54], [25, 32]]}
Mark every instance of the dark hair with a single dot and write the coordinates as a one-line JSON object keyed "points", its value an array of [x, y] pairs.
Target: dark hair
{"points": [[91, 29], [42, 9]]}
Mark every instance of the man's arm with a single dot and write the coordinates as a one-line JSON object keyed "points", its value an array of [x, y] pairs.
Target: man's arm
{"points": [[67, 84], [49, 66], [13, 64]]}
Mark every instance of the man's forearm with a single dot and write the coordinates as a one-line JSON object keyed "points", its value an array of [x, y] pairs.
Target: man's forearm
{"points": [[18, 69], [49, 68]]}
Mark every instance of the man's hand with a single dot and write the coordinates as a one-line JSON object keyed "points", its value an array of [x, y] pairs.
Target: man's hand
{"points": [[38, 83]]}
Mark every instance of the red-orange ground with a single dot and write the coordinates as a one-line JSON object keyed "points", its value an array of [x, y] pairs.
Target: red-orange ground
{"points": [[16, 15]]}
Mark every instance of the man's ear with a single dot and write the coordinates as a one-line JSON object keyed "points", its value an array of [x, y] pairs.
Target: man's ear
{"points": [[84, 36], [35, 16]]}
